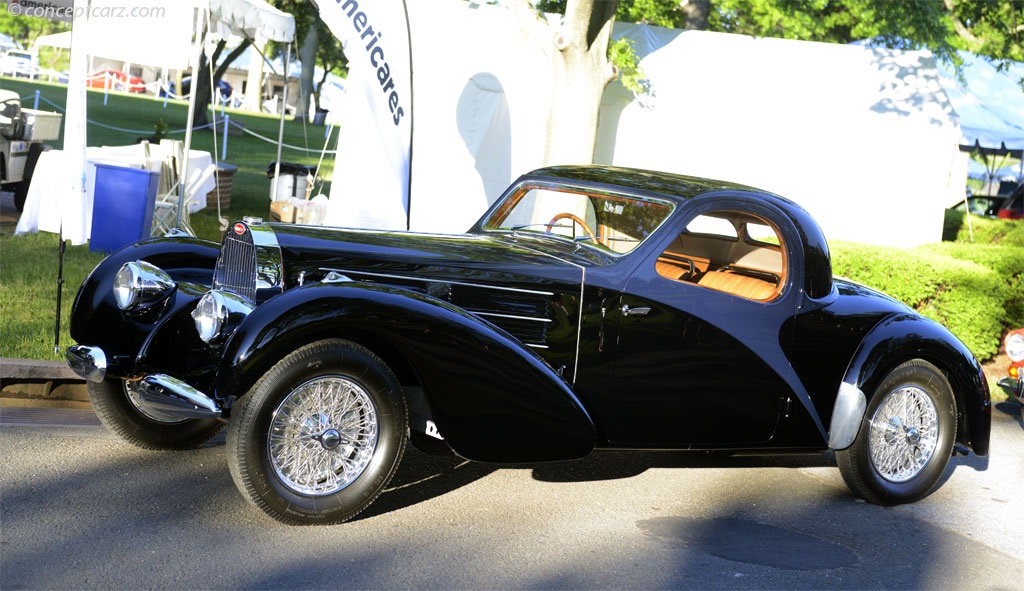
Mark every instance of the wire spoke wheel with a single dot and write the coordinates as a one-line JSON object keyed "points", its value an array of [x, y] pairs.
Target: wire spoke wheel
{"points": [[906, 437], [323, 435], [903, 434], [319, 435]]}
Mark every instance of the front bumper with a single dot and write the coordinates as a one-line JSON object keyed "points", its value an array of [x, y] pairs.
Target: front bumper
{"points": [[161, 394], [88, 362]]}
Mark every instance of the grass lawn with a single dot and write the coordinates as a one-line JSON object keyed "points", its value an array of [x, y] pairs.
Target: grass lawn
{"points": [[28, 264]]}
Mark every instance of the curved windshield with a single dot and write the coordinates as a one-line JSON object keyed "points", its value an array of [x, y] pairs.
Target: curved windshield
{"points": [[615, 223]]}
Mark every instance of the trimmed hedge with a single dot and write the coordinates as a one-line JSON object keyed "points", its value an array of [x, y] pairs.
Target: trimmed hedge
{"points": [[974, 289], [985, 230]]}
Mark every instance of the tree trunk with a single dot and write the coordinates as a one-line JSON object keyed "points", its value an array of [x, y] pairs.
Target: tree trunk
{"points": [[696, 12], [307, 56], [581, 72], [201, 80]]}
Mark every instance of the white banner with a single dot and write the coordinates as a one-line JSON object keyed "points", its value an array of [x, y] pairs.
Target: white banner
{"points": [[370, 187]]}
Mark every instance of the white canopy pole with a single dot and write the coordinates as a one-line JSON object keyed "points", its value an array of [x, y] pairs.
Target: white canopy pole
{"points": [[200, 41], [280, 126]]}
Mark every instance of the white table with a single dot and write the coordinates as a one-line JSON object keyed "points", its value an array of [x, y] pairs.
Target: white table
{"points": [[52, 206]]}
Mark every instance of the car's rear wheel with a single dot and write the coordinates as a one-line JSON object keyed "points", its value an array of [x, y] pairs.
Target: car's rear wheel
{"points": [[116, 403], [320, 434], [905, 439]]}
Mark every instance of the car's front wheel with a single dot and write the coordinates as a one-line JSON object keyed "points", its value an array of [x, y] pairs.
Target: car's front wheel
{"points": [[905, 439], [320, 435], [117, 404]]}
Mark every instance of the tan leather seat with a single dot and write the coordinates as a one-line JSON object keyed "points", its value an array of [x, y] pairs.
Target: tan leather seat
{"points": [[670, 269], [741, 285]]}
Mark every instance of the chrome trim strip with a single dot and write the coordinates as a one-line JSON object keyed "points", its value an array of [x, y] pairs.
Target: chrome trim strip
{"points": [[432, 280], [846, 416], [170, 396], [88, 362], [579, 324], [509, 316], [533, 346]]}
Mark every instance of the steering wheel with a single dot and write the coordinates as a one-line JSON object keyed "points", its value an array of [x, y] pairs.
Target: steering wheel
{"points": [[576, 219]]}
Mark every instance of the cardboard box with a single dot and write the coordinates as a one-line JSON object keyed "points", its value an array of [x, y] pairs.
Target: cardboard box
{"points": [[282, 211]]}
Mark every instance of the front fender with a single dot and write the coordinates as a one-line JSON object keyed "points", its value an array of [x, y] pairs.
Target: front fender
{"points": [[902, 337], [492, 398], [97, 321]]}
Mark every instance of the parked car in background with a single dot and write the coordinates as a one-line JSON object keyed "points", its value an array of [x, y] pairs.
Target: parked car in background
{"points": [[7, 43], [116, 80], [590, 308], [1013, 384], [18, 63], [983, 205], [224, 89], [1013, 207]]}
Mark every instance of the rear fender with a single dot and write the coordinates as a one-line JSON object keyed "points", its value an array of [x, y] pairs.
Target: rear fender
{"points": [[902, 337], [492, 398]]}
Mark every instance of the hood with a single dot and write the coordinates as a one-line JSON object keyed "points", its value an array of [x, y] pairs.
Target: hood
{"points": [[464, 257]]}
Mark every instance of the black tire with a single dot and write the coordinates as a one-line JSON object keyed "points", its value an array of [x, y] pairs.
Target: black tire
{"points": [[336, 411], [902, 450], [21, 189], [113, 405]]}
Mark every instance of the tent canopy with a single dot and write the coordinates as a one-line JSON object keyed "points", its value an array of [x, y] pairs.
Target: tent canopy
{"points": [[163, 37], [61, 40], [252, 19], [990, 106]]}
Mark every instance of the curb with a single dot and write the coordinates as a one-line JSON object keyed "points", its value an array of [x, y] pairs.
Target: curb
{"points": [[34, 379]]}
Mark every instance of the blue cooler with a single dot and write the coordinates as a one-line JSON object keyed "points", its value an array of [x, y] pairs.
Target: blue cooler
{"points": [[122, 206]]}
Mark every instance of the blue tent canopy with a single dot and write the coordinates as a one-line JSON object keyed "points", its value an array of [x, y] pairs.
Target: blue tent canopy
{"points": [[990, 106]]}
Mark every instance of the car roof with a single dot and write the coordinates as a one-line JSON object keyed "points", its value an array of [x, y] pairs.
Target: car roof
{"points": [[674, 187], [681, 189]]}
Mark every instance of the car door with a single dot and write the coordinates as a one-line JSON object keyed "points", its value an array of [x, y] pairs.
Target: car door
{"points": [[702, 349]]}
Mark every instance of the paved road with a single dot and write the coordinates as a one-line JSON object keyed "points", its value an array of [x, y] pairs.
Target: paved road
{"points": [[81, 510]]}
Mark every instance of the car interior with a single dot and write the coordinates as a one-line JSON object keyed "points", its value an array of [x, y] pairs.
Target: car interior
{"points": [[733, 252]]}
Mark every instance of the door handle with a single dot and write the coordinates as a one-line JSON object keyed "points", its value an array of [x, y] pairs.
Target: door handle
{"points": [[640, 311]]}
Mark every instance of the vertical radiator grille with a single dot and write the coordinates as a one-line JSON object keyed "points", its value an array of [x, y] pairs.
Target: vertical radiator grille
{"points": [[236, 267]]}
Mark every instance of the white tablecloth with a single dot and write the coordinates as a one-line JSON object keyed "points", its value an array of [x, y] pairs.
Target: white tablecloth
{"points": [[51, 202]]}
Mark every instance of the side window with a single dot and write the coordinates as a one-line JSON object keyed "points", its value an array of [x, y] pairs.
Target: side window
{"points": [[729, 251]]}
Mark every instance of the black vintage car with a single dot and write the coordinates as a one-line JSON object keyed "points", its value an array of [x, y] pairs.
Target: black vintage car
{"points": [[590, 308]]}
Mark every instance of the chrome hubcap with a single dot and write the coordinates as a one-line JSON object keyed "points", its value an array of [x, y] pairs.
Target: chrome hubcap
{"points": [[903, 434], [323, 435]]}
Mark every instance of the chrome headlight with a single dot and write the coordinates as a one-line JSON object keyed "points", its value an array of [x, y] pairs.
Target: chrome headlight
{"points": [[218, 313], [1015, 346], [139, 283]]}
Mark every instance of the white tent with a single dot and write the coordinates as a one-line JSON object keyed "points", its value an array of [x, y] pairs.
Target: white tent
{"points": [[61, 40], [159, 32], [864, 138]]}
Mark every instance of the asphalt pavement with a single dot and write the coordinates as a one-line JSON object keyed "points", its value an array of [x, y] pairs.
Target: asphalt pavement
{"points": [[80, 509]]}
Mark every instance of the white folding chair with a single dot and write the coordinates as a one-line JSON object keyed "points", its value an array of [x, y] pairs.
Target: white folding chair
{"points": [[165, 209]]}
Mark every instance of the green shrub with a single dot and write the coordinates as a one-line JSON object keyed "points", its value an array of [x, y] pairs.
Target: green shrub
{"points": [[985, 230], [975, 290]]}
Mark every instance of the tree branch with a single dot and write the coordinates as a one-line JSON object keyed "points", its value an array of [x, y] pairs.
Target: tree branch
{"points": [[958, 25]]}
